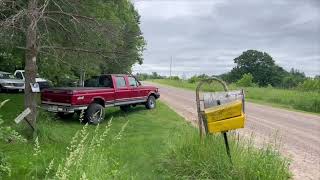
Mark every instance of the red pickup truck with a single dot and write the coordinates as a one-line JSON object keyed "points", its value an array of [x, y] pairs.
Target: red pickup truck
{"points": [[98, 93]]}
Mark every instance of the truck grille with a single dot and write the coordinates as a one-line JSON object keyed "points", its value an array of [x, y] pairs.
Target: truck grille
{"points": [[18, 84]]}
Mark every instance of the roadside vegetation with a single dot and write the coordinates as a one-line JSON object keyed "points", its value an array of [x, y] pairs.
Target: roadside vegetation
{"points": [[139, 144]]}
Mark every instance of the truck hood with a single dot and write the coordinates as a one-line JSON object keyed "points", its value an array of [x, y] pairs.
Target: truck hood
{"points": [[11, 81], [41, 80]]}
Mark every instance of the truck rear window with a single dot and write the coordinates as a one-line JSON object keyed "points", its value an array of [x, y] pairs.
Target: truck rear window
{"points": [[100, 81]]}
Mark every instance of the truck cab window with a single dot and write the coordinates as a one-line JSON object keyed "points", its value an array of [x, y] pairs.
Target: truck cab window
{"points": [[121, 82], [133, 82], [19, 75]]}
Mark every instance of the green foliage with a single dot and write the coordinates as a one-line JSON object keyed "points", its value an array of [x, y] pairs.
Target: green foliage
{"points": [[246, 81], [5, 167], [310, 85], [190, 158], [10, 61]]}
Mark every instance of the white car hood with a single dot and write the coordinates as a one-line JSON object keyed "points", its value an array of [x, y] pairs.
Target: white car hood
{"points": [[11, 81], [41, 80]]}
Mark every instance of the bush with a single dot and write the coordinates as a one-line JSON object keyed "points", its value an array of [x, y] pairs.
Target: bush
{"points": [[246, 81], [310, 85], [175, 78], [189, 158]]}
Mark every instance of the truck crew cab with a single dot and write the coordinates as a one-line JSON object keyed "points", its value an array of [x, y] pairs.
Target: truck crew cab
{"points": [[99, 92]]}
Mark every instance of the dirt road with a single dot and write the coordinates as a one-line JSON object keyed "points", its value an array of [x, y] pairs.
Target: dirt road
{"points": [[299, 133]]}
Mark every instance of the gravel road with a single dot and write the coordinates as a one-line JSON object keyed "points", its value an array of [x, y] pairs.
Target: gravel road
{"points": [[298, 133]]}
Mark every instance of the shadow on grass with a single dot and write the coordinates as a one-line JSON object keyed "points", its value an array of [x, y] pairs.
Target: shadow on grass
{"points": [[110, 112]]}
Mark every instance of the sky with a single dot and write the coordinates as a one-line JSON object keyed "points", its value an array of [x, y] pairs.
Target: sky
{"points": [[204, 36]]}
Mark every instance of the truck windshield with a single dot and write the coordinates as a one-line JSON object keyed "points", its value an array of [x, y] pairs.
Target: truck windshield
{"points": [[6, 76]]}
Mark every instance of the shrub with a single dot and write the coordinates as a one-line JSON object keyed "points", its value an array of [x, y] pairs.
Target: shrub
{"points": [[246, 81], [310, 85]]}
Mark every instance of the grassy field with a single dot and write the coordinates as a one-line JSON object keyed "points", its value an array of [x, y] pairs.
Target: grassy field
{"points": [[290, 99], [139, 144]]}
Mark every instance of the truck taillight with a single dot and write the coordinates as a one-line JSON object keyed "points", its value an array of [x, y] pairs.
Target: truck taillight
{"points": [[157, 90]]}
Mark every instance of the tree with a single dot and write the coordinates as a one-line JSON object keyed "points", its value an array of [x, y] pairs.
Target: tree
{"points": [[260, 64], [60, 30]]}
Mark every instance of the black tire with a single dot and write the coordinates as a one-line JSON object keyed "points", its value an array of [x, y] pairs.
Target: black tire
{"points": [[151, 102], [125, 108], [94, 114], [63, 115]]}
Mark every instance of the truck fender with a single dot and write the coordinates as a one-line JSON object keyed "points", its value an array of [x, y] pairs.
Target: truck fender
{"points": [[100, 100]]}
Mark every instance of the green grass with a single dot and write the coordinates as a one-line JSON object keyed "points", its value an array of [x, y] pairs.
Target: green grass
{"points": [[156, 144], [289, 99]]}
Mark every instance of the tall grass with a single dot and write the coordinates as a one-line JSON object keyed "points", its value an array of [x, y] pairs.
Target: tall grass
{"points": [[87, 157], [190, 158], [293, 99]]}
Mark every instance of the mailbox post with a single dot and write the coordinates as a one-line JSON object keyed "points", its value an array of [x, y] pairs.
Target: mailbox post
{"points": [[220, 111]]}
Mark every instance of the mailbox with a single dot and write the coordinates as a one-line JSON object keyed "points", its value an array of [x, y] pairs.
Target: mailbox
{"points": [[225, 117], [220, 111]]}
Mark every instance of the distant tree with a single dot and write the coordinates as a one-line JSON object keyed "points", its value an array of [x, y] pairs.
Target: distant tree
{"points": [[175, 78], [293, 79], [261, 65], [310, 85], [246, 81]]}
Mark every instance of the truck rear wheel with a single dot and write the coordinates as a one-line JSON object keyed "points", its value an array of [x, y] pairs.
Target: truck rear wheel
{"points": [[94, 114], [151, 102]]}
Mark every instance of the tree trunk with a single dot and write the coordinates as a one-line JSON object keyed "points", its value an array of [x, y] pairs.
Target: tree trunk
{"points": [[30, 98]]}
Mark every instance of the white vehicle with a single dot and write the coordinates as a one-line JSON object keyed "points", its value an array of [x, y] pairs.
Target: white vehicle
{"points": [[43, 83], [9, 83]]}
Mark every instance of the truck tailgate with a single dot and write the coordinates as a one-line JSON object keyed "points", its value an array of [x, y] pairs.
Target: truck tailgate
{"points": [[57, 95]]}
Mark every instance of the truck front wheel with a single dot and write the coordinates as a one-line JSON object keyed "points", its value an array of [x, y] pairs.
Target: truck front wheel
{"points": [[94, 114], [151, 102]]}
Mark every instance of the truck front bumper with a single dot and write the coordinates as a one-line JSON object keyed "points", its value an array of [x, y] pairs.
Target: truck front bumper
{"points": [[157, 95], [62, 108]]}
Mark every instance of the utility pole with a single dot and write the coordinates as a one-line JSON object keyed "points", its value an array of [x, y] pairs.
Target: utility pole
{"points": [[170, 66]]}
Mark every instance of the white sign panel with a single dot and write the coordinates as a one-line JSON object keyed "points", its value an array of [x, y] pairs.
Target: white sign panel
{"points": [[35, 87], [25, 113]]}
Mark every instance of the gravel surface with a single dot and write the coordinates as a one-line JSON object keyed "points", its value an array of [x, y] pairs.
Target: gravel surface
{"points": [[298, 134]]}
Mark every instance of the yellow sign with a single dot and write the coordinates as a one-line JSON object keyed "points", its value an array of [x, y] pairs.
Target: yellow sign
{"points": [[225, 117]]}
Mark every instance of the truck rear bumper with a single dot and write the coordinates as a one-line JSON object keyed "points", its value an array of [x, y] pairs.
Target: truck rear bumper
{"points": [[62, 108]]}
